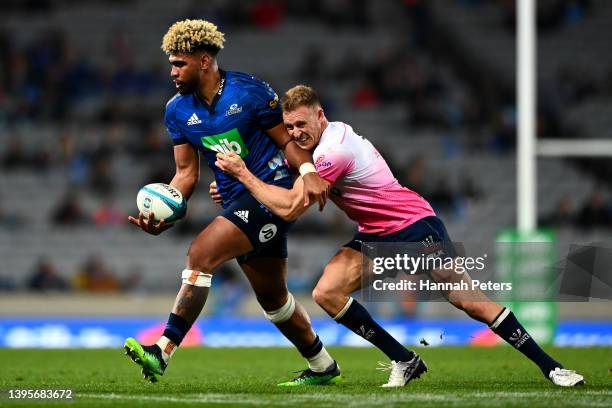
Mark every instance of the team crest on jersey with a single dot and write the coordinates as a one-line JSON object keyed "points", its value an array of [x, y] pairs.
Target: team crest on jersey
{"points": [[233, 109]]}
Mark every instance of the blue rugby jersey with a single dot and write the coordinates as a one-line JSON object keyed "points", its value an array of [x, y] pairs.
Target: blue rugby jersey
{"points": [[243, 109]]}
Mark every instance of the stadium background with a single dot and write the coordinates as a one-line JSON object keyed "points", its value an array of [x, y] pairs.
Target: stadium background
{"points": [[82, 90]]}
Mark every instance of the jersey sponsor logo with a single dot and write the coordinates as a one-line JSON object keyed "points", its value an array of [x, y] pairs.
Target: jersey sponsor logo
{"points": [[267, 232], [233, 109], [321, 163], [243, 215], [230, 141], [193, 120], [274, 102]]}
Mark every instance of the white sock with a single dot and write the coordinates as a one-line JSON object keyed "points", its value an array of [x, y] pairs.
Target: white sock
{"points": [[320, 361], [167, 347]]}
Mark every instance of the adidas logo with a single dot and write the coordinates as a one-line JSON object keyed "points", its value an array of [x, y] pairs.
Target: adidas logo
{"points": [[243, 215], [194, 120]]}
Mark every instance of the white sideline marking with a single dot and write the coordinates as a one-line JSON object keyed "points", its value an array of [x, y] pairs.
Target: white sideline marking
{"points": [[583, 398]]}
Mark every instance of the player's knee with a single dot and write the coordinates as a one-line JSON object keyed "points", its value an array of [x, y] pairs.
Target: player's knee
{"points": [[473, 309], [200, 260], [279, 314], [270, 301], [323, 296]]}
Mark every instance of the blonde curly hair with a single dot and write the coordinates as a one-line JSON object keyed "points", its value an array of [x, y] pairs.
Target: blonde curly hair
{"points": [[188, 36], [300, 95]]}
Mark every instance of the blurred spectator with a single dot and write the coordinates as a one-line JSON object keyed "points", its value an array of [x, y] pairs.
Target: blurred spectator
{"points": [[45, 277], [7, 283], [594, 213], [152, 144], [414, 175], [364, 96], [107, 214], [101, 180], [442, 196], [69, 212], [96, 276], [133, 280], [419, 12], [469, 189], [15, 156], [267, 14], [562, 216], [10, 221], [313, 65], [231, 290]]}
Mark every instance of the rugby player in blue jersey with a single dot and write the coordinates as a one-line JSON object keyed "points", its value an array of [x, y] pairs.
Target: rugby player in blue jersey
{"points": [[218, 111]]}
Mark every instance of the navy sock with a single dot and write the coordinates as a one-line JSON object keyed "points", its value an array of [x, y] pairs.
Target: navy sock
{"points": [[358, 320], [509, 329], [176, 328], [311, 350]]}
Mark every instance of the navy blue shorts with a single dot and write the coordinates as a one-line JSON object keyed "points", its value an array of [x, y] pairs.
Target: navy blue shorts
{"points": [[266, 231], [429, 233]]}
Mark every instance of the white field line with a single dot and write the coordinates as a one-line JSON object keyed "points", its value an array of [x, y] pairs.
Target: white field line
{"points": [[585, 398]]}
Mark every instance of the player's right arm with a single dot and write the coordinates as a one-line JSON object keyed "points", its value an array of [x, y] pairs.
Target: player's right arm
{"points": [[185, 179], [187, 169], [284, 203]]}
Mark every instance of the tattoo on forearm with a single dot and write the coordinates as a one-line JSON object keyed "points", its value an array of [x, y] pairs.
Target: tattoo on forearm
{"points": [[189, 302]]}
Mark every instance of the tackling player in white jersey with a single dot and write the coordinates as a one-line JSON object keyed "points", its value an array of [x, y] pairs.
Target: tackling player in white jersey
{"points": [[366, 190]]}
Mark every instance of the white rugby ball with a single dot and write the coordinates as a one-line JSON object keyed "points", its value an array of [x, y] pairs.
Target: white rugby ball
{"points": [[164, 201]]}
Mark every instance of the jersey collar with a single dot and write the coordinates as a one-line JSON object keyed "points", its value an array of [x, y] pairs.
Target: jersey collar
{"points": [[222, 84]]}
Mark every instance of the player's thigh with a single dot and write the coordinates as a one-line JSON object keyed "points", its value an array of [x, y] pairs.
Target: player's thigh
{"points": [[220, 241], [466, 293], [342, 274], [268, 277]]}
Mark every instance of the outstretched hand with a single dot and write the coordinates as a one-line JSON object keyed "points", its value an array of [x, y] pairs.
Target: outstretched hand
{"points": [[148, 225]]}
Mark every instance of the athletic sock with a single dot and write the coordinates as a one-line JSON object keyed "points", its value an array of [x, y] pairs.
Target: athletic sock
{"points": [[318, 358], [355, 317], [506, 326], [167, 347], [175, 332]]}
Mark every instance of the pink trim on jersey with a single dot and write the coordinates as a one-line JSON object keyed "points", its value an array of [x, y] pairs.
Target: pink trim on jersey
{"points": [[363, 185]]}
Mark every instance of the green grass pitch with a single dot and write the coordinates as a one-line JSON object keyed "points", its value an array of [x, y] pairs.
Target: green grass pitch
{"points": [[457, 377]]}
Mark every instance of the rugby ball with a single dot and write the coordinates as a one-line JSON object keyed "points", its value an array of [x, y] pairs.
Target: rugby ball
{"points": [[164, 201]]}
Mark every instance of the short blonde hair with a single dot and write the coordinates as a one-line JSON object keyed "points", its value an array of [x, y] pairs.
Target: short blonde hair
{"points": [[300, 95], [189, 36]]}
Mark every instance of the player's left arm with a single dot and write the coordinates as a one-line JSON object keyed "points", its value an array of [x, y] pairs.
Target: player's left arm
{"points": [[284, 203], [314, 186]]}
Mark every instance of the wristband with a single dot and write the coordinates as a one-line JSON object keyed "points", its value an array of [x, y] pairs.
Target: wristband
{"points": [[306, 168]]}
